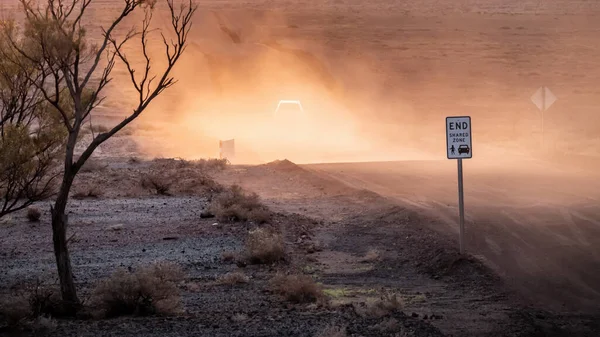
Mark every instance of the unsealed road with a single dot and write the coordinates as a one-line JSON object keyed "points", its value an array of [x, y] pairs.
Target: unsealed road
{"points": [[538, 226]]}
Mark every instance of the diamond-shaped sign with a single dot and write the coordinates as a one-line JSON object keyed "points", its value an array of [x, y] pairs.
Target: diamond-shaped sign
{"points": [[543, 98]]}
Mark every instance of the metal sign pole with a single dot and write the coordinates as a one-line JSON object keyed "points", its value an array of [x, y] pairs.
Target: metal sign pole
{"points": [[461, 206], [459, 146]]}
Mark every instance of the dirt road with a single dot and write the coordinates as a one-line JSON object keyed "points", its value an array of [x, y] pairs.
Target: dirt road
{"points": [[538, 226]]}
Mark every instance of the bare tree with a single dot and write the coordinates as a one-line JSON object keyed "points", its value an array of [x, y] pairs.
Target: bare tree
{"points": [[74, 74]]}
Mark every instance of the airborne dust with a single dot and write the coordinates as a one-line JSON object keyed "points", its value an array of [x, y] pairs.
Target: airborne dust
{"points": [[374, 84]]}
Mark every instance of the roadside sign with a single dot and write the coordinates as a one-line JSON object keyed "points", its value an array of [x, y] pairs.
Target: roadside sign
{"points": [[459, 146], [458, 137], [227, 149]]}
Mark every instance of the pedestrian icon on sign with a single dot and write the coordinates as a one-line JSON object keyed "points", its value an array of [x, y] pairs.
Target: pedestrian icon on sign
{"points": [[452, 149]]}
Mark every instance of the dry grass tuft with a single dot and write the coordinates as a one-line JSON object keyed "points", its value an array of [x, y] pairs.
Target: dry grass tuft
{"points": [[15, 310], [38, 301], [33, 214], [99, 128], [150, 290], [379, 308], [233, 278], [371, 256], [333, 331], [228, 256], [388, 325], [211, 164], [297, 288], [92, 165], [264, 247], [90, 192], [239, 318], [157, 183], [235, 205]]}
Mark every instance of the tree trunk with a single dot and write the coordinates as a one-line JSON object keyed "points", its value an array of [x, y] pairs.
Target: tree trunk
{"points": [[61, 251]]}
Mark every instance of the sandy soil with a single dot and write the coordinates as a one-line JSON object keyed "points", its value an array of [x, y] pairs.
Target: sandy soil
{"points": [[414, 256], [533, 223]]}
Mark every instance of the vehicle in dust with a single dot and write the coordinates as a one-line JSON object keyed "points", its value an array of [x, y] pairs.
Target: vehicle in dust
{"points": [[464, 148]]}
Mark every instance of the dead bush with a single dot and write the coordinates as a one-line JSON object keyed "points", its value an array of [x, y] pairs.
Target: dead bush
{"points": [[195, 182], [233, 278], [234, 205], [89, 192], [33, 214], [371, 256], [228, 256], [264, 247], [99, 128], [147, 291], [333, 331], [211, 164], [297, 288], [92, 165], [46, 301], [15, 310], [156, 183], [381, 307], [35, 301], [388, 325]]}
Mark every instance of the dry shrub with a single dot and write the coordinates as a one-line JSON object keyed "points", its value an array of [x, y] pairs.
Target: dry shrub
{"points": [[233, 278], [379, 308], [333, 331], [157, 183], [37, 301], [371, 256], [33, 214], [297, 288], [92, 165], [90, 192], [228, 256], [234, 205], [99, 128], [239, 318], [42, 325], [147, 291], [389, 324], [14, 310], [208, 164], [194, 182], [264, 247]]}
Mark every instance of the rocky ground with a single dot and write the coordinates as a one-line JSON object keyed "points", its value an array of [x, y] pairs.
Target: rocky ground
{"points": [[357, 246]]}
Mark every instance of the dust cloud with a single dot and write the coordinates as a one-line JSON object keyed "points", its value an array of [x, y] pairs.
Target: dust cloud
{"points": [[237, 69], [373, 84]]}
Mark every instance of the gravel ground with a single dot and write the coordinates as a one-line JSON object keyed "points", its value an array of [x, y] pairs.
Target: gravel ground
{"points": [[111, 234], [115, 231]]}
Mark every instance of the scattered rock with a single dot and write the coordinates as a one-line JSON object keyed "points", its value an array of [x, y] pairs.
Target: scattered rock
{"points": [[415, 315], [206, 215], [116, 228], [170, 238]]}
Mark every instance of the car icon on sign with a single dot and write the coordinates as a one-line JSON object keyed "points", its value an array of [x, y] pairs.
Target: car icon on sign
{"points": [[463, 149]]}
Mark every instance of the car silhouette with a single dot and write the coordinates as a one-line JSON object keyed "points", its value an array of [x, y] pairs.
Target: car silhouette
{"points": [[463, 149]]}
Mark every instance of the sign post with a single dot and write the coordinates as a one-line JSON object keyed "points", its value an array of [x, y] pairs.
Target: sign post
{"points": [[459, 146]]}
